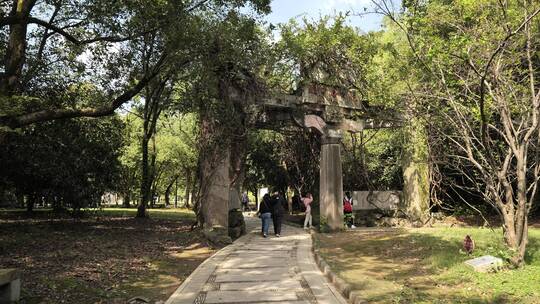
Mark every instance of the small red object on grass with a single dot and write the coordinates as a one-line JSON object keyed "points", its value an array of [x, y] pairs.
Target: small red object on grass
{"points": [[468, 244]]}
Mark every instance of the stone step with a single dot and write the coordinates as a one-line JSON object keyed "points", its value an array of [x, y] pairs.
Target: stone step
{"points": [[280, 286], [249, 254], [285, 302], [268, 247], [248, 296], [227, 277], [255, 271], [255, 262]]}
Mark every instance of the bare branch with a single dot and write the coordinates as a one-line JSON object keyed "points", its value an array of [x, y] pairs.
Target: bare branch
{"points": [[502, 45]]}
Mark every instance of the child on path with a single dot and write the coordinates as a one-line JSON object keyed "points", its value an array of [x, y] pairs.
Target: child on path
{"points": [[245, 202], [348, 210], [307, 200]]}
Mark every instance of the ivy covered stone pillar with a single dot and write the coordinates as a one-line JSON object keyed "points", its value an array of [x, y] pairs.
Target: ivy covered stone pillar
{"points": [[331, 181], [215, 206], [415, 171]]}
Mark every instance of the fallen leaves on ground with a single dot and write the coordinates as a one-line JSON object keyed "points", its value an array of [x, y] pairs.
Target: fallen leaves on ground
{"points": [[106, 260]]}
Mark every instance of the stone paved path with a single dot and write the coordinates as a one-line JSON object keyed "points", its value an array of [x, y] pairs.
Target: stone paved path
{"points": [[258, 270]]}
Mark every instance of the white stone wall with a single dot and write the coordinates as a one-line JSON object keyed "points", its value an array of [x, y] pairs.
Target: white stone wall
{"points": [[372, 200]]}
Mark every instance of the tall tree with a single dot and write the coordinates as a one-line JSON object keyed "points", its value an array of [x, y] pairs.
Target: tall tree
{"points": [[477, 68], [231, 64], [155, 99], [51, 44]]}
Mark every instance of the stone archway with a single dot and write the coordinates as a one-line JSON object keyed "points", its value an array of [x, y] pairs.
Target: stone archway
{"points": [[330, 112]]}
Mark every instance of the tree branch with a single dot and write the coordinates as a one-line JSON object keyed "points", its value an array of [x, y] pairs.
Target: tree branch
{"points": [[499, 48], [33, 20], [46, 115]]}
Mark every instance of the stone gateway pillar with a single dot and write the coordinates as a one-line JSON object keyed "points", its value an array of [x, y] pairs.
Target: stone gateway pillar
{"points": [[331, 181], [216, 204], [415, 164]]}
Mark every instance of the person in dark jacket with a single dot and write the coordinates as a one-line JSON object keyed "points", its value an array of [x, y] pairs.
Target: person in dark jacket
{"points": [[265, 213], [277, 212]]}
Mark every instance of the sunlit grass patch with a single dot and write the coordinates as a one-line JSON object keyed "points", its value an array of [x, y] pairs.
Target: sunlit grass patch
{"points": [[164, 213], [45, 213], [426, 266]]}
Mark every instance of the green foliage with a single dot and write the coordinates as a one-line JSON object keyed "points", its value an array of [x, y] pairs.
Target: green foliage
{"points": [[282, 161], [177, 152], [68, 163], [175, 149], [372, 160], [263, 165], [323, 225], [455, 67], [327, 51], [130, 158], [63, 70], [103, 41]]}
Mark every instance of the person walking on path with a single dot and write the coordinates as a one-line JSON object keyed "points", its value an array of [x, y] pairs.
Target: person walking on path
{"points": [[245, 202], [265, 213], [307, 200], [277, 212]]}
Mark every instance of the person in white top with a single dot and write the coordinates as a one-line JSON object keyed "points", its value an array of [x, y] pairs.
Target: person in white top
{"points": [[307, 200]]}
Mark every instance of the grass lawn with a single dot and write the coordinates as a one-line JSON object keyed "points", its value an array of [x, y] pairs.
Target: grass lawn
{"points": [[426, 265], [167, 214], [106, 257]]}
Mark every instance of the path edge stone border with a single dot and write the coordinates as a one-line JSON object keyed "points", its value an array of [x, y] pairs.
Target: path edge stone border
{"points": [[352, 296]]}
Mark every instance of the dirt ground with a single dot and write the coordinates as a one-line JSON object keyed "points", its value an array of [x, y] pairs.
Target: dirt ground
{"points": [[99, 260]]}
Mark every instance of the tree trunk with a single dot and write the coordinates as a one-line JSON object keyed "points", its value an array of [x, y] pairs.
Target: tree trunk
{"points": [[516, 236], [290, 194], [509, 231], [57, 204], [176, 193], [152, 172], [145, 178], [189, 178], [152, 110], [168, 191], [167, 194], [20, 199], [30, 203], [256, 194], [193, 194], [16, 49], [49, 200], [127, 199], [153, 197]]}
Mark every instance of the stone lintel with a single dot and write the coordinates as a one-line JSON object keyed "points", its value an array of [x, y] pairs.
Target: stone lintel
{"points": [[330, 140]]}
